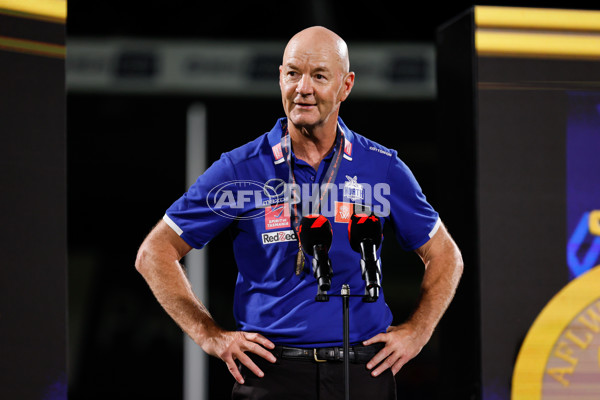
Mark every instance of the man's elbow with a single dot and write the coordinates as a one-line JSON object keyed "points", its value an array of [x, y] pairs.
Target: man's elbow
{"points": [[459, 264], [143, 259]]}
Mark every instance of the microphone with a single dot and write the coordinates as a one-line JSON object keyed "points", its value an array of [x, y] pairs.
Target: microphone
{"points": [[364, 233], [316, 236]]}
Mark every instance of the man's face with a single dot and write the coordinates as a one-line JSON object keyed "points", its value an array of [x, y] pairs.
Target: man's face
{"points": [[313, 83]]}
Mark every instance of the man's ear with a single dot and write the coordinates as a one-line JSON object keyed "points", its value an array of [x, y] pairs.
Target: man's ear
{"points": [[347, 86], [280, 75]]}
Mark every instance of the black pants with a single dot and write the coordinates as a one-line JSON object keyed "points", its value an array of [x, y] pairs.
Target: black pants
{"points": [[310, 380]]}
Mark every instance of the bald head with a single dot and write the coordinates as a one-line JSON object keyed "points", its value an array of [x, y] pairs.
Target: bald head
{"points": [[314, 78], [319, 40]]}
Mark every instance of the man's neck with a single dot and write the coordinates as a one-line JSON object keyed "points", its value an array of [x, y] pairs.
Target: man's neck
{"points": [[312, 146]]}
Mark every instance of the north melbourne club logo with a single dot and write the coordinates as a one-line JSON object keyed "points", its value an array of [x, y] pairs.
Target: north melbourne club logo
{"points": [[353, 190]]}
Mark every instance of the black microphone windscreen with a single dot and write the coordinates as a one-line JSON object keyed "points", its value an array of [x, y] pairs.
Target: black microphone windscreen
{"points": [[364, 227], [315, 229]]}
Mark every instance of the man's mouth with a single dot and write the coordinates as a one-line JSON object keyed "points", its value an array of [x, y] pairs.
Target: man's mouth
{"points": [[304, 104]]}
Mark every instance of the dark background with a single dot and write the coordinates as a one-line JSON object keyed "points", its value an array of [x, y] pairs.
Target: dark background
{"points": [[126, 165], [33, 242]]}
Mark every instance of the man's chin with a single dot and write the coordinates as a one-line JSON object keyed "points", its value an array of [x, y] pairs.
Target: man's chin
{"points": [[303, 122]]}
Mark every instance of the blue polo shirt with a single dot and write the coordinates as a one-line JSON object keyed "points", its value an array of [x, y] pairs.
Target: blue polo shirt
{"points": [[246, 191]]}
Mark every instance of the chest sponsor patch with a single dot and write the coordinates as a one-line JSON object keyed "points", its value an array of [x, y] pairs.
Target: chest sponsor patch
{"points": [[277, 217], [343, 211], [279, 237]]}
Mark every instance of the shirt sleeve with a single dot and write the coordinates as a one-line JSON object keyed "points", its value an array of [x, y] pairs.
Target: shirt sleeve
{"points": [[194, 216], [414, 220]]}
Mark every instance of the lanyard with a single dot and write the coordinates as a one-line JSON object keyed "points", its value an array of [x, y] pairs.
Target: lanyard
{"points": [[329, 178]]}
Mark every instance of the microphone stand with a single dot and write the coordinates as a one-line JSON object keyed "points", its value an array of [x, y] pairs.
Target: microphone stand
{"points": [[345, 293], [370, 268]]}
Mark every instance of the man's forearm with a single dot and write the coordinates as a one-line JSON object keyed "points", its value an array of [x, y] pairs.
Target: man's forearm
{"points": [[437, 291], [443, 269], [158, 263]]}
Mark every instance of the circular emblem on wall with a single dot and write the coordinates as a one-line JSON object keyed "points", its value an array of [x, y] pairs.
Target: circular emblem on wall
{"points": [[560, 356]]}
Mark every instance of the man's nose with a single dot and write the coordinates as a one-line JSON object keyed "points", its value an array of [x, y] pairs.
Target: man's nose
{"points": [[304, 85]]}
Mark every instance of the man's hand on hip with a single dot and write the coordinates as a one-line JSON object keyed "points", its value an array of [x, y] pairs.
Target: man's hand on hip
{"points": [[233, 345], [402, 344]]}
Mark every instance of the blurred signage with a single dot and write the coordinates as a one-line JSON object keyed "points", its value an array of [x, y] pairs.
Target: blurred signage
{"points": [[583, 182], [235, 68], [560, 357]]}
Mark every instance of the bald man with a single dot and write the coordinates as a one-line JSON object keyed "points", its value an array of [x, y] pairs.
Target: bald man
{"points": [[288, 344]]}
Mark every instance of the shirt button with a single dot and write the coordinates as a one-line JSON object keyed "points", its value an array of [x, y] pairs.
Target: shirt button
{"points": [[312, 178]]}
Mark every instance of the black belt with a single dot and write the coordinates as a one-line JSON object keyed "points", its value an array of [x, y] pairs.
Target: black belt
{"points": [[358, 354]]}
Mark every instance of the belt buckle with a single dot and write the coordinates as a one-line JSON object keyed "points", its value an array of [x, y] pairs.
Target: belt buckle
{"points": [[315, 356]]}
